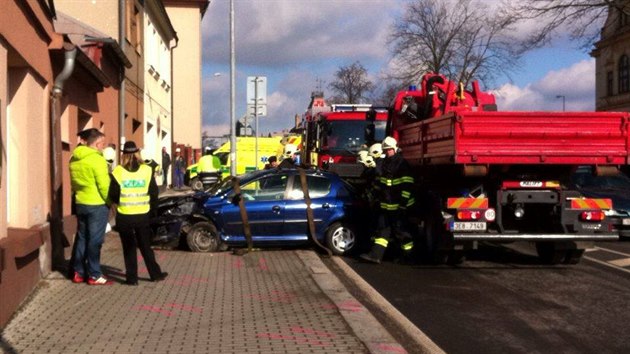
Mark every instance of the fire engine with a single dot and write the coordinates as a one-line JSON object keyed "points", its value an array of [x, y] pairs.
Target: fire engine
{"points": [[334, 134]]}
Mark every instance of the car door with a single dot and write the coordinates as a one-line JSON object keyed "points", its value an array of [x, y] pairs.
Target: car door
{"points": [[323, 203], [264, 202]]}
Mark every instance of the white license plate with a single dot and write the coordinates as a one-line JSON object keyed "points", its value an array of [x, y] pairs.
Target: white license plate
{"points": [[625, 221], [468, 226]]}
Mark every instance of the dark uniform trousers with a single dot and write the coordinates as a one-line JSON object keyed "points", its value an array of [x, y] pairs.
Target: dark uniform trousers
{"points": [[135, 231]]}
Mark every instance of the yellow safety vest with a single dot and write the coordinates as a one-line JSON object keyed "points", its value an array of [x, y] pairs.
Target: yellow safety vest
{"points": [[134, 190]]}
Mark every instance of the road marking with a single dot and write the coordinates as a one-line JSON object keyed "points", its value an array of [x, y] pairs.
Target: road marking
{"points": [[622, 262], [607, 264], [611, 251]]}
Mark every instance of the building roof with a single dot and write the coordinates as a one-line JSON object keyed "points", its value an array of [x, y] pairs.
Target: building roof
{"points": [[201, 4]]}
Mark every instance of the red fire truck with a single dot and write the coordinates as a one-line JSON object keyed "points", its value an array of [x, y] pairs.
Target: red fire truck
{"points": [[333, 134], [486, 175]]}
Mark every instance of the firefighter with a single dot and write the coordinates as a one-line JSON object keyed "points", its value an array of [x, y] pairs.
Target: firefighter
{"points": [[289, 158], [394, 183]]}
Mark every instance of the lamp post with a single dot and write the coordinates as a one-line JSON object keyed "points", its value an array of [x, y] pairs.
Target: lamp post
{"points": [[232, 94], [563, 101]]}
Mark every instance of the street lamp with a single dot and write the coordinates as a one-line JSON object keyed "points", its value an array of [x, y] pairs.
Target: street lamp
{"points": [[563, 101]]}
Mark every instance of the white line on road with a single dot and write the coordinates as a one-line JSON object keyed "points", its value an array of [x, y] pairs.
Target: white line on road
{"points": [[611, 251], [606, 264]]}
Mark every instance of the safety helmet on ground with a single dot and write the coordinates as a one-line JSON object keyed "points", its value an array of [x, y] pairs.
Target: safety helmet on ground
{"points": [[146, 155], [109, 154], [376, 150], [289, 150], [390, 143], [369, 162]]}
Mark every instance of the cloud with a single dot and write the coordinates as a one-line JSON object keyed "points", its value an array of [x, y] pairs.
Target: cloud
{"points": [[279, 32], [576, 83]]}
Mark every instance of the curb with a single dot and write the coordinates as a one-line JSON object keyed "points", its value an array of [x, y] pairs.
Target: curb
{"points": [[364, 325], [406, 327]]}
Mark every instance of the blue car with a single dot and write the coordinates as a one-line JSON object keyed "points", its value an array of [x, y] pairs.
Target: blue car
{"points": [[615, 187], [276, 212]]}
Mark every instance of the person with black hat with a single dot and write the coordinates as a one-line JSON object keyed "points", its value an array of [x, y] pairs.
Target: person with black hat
{"points": [[89, 176], [134, 190], [272, 162]]}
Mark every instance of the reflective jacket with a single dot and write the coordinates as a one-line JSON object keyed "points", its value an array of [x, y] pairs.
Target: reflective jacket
{"points": [[394, 183], [134, 190], [89, 176]]}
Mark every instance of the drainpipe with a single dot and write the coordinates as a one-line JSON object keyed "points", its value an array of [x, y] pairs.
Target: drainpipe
{"points": [[57, 237], [121, 91], [172, 109]]}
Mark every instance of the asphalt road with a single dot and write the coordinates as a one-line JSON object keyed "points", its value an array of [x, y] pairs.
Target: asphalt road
{"points": [[505, 301]]}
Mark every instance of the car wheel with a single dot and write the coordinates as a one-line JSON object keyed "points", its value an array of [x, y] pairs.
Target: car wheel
{"points": [[203, 237], [340, 238], [196, 184]]}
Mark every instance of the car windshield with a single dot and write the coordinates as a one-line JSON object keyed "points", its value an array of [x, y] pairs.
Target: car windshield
{"points": [[350, 135]]}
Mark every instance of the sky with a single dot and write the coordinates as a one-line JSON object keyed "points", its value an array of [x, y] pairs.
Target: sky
{"points": [[299, 44]]}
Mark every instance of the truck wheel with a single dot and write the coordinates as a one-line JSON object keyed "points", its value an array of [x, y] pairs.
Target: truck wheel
{"points": [[196, 184], [573, 256], [203, 237], [340, 238], [431, 251], [549, 253]]}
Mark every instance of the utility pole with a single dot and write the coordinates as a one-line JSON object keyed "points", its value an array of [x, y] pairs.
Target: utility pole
{"points": [[232, 95]]}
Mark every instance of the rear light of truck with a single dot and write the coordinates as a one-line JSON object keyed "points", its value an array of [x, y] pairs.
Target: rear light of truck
{"points": [[592, 215], [469, 215]]}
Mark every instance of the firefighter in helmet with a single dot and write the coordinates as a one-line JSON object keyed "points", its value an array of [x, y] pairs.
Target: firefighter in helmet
{"points": [[394, 183], [289, 156]]}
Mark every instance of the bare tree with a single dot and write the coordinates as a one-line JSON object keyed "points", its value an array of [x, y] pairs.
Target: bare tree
{"points": [[581, 19], [461, 39], [351, 84]]}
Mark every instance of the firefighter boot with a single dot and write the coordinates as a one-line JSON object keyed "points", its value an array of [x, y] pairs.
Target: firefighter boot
{"points": [[375, 255]]}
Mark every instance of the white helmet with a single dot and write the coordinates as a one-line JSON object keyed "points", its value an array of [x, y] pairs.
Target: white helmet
{"points": [[146, 155], [109, 154], [390, 143], [376, 151], [365, 159], [289, 150]]}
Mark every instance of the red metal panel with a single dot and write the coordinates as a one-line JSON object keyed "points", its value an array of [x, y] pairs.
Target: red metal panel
{"points": [[519, 138]]}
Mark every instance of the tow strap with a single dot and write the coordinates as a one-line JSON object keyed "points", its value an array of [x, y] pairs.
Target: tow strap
{"points": [[241, 205], [309, 211]]}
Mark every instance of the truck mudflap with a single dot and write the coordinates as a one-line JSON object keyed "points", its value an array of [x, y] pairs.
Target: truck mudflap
{"points": [[534, 237]]}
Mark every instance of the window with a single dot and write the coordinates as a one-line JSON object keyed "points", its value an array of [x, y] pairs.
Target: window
{"points": [[609, 83], [624, 74], [133, 30], [317, 187], [268, 188]]}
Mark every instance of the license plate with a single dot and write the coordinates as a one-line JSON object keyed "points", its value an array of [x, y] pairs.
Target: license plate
{"points": [[625, 221], [468, 226]]}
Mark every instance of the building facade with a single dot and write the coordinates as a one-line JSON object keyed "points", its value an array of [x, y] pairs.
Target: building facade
{"points": [[159, 38], [612, 62], [54, 83], [186, 16]]}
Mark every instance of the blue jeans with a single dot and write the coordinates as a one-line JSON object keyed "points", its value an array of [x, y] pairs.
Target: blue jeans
{"points": [[179, 178], [92, 221]]}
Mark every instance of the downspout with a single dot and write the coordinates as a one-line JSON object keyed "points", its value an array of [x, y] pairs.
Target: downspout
{"points": [[172, 107], [121, 91], [57, 237]]}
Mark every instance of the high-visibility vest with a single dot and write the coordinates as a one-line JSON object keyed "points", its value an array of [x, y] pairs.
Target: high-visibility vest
{"points": [[134, 190]]}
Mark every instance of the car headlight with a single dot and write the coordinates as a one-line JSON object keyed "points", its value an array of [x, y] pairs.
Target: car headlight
{"points": [[186, 208]]}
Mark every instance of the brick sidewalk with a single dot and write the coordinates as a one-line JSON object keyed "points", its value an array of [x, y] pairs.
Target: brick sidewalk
{"points": [[264, 302]]}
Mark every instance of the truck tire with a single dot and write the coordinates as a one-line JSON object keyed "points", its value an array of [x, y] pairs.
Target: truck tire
{"points": [[431, 241], [196, 184], [550, 253], [203, 237], [573, 256]]}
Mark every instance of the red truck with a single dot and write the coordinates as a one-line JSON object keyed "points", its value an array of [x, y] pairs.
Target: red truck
{"points": [[333, 134], [486, 175]]}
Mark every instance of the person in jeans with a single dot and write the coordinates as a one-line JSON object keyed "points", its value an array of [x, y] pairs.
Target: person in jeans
{"points": [[89, 175], [134, 190]]}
